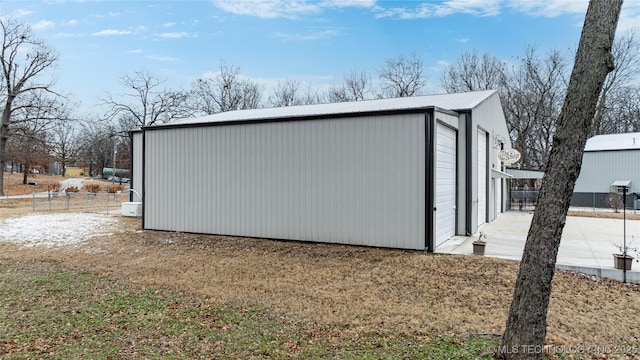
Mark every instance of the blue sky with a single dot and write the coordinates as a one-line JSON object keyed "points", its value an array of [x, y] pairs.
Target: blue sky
{"points": [[315, 41]]}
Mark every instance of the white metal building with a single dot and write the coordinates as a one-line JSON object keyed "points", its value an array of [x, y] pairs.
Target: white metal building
{"points": [[403, 173], [608, 159]]}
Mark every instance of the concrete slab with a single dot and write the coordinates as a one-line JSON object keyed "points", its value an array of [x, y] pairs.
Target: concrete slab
{"points": [[587, 244]]}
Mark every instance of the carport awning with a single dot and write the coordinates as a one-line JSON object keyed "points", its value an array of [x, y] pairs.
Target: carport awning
{"points": [[497, 174], [525, 174], [625, 183]]}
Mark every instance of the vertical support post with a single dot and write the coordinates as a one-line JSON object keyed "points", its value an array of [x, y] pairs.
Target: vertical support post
{"points": [[624, 233]]}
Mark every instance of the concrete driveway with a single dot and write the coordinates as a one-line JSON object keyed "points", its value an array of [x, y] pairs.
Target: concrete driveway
{"points": [[587, 245]]}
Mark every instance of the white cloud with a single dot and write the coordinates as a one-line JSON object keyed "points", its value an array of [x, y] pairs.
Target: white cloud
{"points": [[177, 35], [72, 22], [549, 8], [169, 24], [350, 3], [629, 16], [110, 32], [319, 35], [463, 40], [542, 8], [426, 10], [134, 51], [268, 9], [43, 24], [474, 7], [19, 13], [290, 9]]}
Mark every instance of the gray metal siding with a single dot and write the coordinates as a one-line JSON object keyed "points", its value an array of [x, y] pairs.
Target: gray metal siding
{"points": [[136, 173], [601, 168], [356, 181], [482, 177]]}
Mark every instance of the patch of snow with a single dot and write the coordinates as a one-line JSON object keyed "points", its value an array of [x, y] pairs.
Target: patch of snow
{"points": [[53, 230]]}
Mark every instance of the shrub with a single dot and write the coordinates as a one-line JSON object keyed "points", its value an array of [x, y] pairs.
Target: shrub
{"points": [[55, 187], [72, 189], [92, 188], [614, 200], [114, 188]]}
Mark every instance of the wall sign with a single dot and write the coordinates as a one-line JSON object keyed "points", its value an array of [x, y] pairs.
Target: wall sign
{"points": [[509, 156]]}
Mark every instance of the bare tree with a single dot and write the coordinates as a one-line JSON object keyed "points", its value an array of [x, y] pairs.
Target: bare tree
{"points": [[24, 59], [355, 86], [286, 93], [401, 76], [34, 115], [526, 323], [310, 95], [225, 92], [28, 149], [291, 92], [532, 97], [622, 112], [145, 103], [531, 90], [97, 142], [626, 52], [64, 145], [473, 73]]}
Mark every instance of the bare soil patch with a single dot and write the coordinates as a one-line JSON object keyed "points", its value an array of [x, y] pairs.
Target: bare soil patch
{"points": [[336, 290]]}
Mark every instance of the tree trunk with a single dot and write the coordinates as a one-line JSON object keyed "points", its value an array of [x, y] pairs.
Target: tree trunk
{"points": [[25, 175], [526, 323], [4, 136]]}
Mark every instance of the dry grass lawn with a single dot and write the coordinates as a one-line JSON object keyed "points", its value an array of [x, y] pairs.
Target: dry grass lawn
{"points": [[13, 183], [337, 291]]}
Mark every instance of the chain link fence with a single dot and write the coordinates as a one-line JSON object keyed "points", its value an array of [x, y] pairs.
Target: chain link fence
{"points": [[84, 201], [527, 200], [524, 200]]}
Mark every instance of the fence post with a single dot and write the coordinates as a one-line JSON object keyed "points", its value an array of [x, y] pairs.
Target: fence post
{"points": [[33, 200]]}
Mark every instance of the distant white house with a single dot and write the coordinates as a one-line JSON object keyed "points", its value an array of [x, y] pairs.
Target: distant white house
{"points": [[609, 162], [402, 173]]}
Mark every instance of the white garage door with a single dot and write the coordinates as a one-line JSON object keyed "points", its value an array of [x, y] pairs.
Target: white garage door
{"points": [[482, 177], [445, 187]]}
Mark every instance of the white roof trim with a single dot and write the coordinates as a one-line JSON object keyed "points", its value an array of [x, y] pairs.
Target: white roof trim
{"points": [[453, 102], [626, 141]]}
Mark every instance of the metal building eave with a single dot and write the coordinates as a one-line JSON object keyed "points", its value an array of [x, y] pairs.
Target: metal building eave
{"points": [[525, 174], [497, 174]]}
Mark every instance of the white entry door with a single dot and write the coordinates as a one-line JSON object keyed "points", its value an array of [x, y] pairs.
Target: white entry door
{"points": [[445, 186], [482, 177]]}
